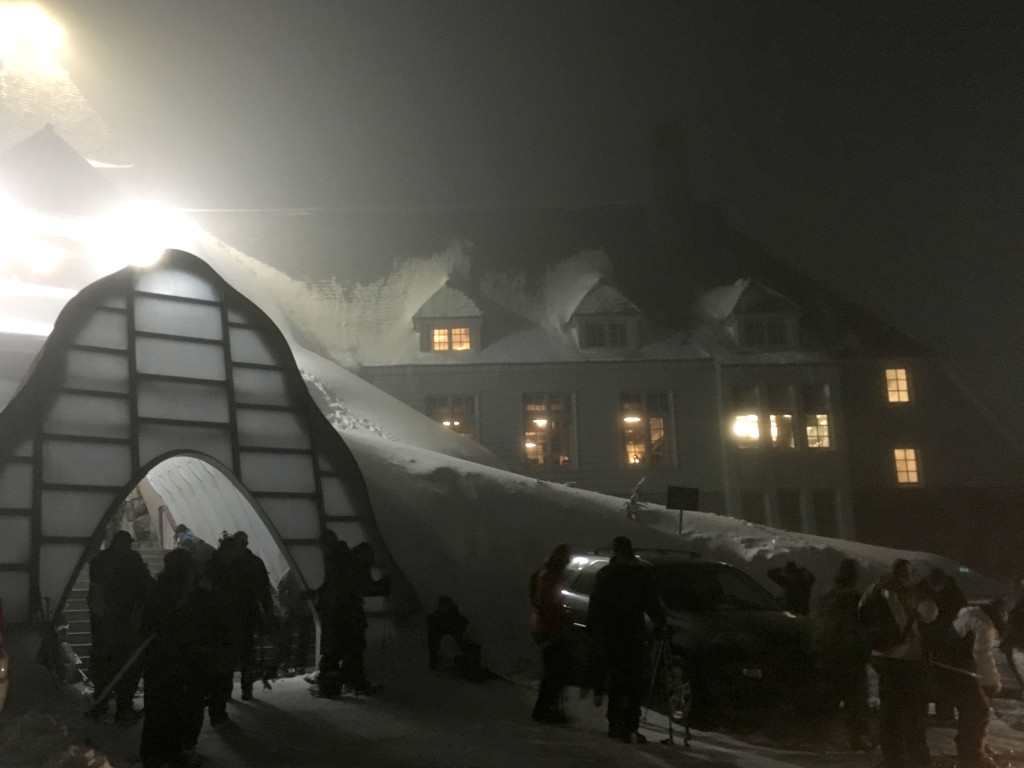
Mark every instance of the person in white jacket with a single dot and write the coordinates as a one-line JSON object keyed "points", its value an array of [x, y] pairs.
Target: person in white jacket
{"points": [[977, 629]]}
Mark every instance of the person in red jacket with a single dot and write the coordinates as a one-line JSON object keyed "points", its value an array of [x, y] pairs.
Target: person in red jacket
{"points": [[549, 625]]}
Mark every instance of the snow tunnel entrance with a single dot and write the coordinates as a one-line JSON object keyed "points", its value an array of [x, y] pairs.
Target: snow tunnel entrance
{"points": [[184, 490], [154, 364]]}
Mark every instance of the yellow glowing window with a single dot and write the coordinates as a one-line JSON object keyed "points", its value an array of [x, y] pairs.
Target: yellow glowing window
{"points": [[744, 429], [896, 385], [440, 339], [906, 465], [782, 430], [460, 338], [817, 430]]}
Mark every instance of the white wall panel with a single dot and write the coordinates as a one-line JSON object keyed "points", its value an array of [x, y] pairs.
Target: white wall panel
{"points": [[201, 321], [179, 358], [296, 518], [15, 538], [259, 386], [89, 416], [176, 282], [249, 346], [271, 429], [16, 486], [278, 472], [75, 463], [182, 401], [73, 513], [104, 329], [100, 371], [337, 502], [14, 586]]}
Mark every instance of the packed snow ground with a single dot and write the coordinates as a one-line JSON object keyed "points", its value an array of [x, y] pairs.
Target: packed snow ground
{"points": [[421, 719]]}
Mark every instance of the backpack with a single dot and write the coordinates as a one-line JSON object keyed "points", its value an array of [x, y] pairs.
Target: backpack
{"points": [[876, 619]]}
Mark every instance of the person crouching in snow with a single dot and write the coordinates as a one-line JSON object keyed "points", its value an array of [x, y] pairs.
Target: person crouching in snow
{"points": [[977, 629]]}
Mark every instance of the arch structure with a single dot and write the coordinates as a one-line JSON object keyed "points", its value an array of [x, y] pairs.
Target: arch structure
{"points": [[144, 365]]}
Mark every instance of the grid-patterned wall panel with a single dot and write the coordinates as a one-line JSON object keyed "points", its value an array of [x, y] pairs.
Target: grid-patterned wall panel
{"points": [[142, 366]]}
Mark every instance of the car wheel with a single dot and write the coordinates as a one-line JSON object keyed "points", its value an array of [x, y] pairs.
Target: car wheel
{"points": [[678, 690]]}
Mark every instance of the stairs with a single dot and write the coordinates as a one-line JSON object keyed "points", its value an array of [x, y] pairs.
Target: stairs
{"points": [[76, 610]]}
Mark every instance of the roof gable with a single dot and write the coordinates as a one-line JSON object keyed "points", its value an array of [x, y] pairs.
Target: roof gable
{"points": [[448, 302], [602, 299]]}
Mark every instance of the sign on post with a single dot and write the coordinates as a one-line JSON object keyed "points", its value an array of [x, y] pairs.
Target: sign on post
{"points": [[681, 498]]}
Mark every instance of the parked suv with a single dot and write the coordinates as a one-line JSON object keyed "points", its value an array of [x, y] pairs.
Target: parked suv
{"points": [[731, 646]]}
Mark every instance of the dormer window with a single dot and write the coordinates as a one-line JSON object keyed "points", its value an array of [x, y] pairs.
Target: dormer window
{"points": [[456, 339], [598, 334], [761, 332]]}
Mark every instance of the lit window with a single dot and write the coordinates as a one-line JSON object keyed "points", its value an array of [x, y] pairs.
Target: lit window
{"points": [[744, 429], [548, 430], [745, 426], [443, 339], [646, 419], [780, 403], [817, 431], [816, 413], [456, 412], [460, 338], [906, 465], [897, 385]]}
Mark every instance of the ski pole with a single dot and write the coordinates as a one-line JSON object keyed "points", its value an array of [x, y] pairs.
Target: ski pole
{"points": [[124, 669], [654, 677]]}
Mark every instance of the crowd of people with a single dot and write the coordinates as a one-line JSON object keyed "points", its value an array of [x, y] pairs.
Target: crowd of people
{"points": [[924, 641], [206, 616]]}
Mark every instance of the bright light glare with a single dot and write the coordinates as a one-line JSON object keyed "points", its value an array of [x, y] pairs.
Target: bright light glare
{"points": [[745, 427], [29, 38], [530, 445], [540, 422], [138, 234], [631, 419]]}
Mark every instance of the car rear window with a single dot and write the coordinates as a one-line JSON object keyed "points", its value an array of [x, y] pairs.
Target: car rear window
{"points": [[689, 587], [583, 584]]}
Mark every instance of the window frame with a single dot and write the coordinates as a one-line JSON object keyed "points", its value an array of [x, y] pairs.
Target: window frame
{"points": [[911, 465], [568, 429], [901, 375], [449, 330], [450, 399], [644, 414]]}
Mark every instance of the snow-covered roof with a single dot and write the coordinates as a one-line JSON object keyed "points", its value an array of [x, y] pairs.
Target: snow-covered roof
{"points": [[602, 299], [448, 302]]}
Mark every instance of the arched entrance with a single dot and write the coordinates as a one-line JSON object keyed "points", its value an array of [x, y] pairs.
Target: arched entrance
{"points": [[146, 365]]}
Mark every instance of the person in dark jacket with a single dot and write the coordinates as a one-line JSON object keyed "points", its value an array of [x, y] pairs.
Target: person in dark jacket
{"points": [[335, 601], [624, 591], [891, 615], [295, 637], [353, 673], [229, 593], [118, 584], [842, 653], [176, 665], [258, 608], [941, 589], [549, 625], [796, 583]]}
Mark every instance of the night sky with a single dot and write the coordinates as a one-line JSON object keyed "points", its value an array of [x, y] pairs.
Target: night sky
{"points": [[877, 145]]}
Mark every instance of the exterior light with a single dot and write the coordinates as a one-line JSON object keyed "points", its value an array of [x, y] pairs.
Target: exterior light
{"points": [[631, 419], [446, 423], [530, 445], [540, 422], [30, 39], [455, 423], [138, 234]]}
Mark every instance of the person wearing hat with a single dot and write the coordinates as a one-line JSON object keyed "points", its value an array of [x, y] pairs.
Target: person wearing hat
{"points": [[624, 591], [118, 585]]}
